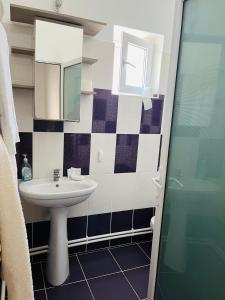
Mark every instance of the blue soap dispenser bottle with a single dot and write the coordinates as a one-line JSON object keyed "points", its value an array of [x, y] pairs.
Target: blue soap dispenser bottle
{"points": [[26, 169]]}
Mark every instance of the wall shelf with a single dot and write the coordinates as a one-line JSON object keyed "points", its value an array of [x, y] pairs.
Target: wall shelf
{"points": [[31, 52], [21, 50], [89, 60], [22, 85], [24, 14], [87, 92], [30, 86]]}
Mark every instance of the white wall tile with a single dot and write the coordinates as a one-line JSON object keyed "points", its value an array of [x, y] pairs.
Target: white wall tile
{"points": [[148, 152], [47, 153], [86, 111], [132, 191], [100, 201], [79, 210], [129, 114], [105, 143], [23, 100], [116, 192]]}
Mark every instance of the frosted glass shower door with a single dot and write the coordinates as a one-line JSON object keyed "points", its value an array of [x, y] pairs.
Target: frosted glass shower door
{"points": [[191, 263]]}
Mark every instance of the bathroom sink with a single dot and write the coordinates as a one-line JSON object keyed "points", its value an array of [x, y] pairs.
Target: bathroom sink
{"points": [[58, 197], [63, 193]]}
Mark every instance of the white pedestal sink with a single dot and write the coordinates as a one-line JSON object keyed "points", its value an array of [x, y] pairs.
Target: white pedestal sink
{"points": [[58, 197]]}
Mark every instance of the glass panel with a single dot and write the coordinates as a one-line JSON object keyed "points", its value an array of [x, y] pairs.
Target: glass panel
{"points": [[71, 92], [135, 65], [192, 246]]}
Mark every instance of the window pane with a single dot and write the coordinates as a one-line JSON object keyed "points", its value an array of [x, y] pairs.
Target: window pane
{"points": [[135, 65]]}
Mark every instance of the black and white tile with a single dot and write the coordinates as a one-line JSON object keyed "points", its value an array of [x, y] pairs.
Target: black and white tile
{"points": [[117, 144]]}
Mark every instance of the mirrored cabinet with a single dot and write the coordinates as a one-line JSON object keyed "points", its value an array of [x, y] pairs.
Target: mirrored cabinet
{"points": [[58, 59], [57, 70]]}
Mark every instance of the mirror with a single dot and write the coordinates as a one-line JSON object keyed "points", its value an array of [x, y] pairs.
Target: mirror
{"points": [[58, 59]]}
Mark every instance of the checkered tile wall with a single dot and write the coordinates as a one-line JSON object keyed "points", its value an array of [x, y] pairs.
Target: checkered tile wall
{"points": [[121, 153]]}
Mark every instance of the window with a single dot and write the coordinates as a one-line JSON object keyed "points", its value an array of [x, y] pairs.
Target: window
{"points": [[134, 62], [137, 62]]}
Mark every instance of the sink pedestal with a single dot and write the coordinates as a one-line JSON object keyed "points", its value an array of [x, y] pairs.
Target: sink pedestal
{"points": [[58, 256]]}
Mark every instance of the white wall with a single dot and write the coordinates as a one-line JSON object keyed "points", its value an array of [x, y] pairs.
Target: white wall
{"points": [[148, 15], [116, 191]]}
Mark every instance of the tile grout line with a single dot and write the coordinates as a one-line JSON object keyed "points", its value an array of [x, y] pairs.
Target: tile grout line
{"points": [[124, 275], [43, 278], [96, 277], [143, 251], [85, 278], [65, 284]]}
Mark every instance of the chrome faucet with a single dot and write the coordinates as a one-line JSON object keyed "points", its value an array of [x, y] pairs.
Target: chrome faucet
{"points": [[56, 174]]}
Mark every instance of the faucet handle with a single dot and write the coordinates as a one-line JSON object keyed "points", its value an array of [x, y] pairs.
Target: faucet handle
{"points": [[56, 171]]}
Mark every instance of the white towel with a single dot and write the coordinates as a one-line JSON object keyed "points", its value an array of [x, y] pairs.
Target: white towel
{"points": [[15, 257], [8, 122]]}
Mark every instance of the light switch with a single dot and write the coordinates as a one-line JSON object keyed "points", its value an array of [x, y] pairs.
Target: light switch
{"points": [[100, 155]]}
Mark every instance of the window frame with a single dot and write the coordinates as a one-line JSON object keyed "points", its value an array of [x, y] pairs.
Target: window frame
{"points": [[148, 47]]}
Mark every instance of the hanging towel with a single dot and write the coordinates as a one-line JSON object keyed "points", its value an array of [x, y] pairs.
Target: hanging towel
{"points": [[8, 122], [16, 269]]}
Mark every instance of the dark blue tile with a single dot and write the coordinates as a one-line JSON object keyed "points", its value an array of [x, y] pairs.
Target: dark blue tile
{"points": [[139, 279], [40, 295], [151, 120], [24, 147], [129, 257], [121, 241], [75, 275], [121, 221], [38, 280], [41, 233], [147, 248], [78, 291], [40, 257], [77, 228], [142, 217], [98, 245], [98, 263], [77, 152], [105, 107], [77, 249], [48, 126], [99, 224], [126, 153], [29, 233], [112, 287], [142, 238]]}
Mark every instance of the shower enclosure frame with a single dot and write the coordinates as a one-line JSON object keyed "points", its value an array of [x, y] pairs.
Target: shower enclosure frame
{"points": [[166, 128]]}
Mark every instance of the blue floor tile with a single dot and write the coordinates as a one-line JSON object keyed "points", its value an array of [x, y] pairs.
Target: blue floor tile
{"points": [[78, 291], [76, 273], [112, 287], [38, 280], [40, 295], [129, 257], [147, 248], [98, 263], [139, 280]]}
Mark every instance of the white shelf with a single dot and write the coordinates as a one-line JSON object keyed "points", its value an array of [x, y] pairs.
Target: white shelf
{"points": [[30, 86], [24, 14], [31, 52], [23, 85]]}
